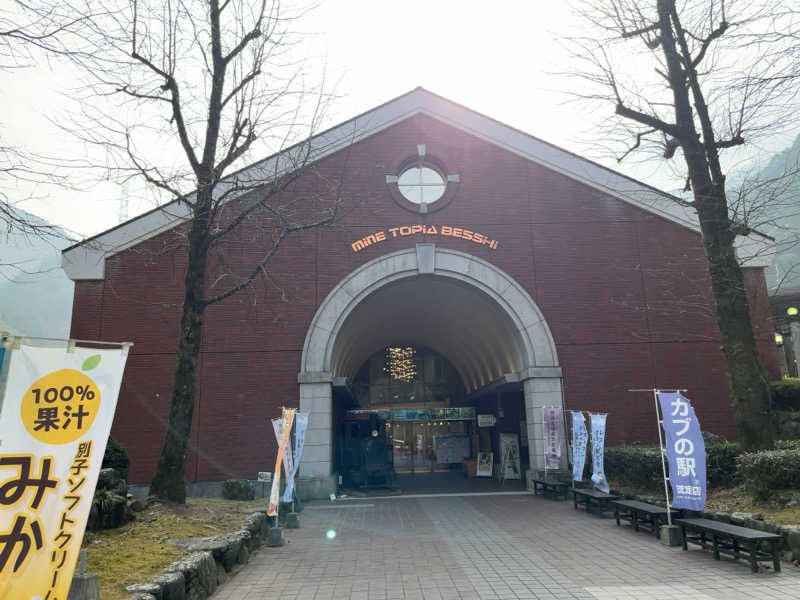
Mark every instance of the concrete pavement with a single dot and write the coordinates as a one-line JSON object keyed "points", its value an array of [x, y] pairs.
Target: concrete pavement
{"points": [[512, 546]]}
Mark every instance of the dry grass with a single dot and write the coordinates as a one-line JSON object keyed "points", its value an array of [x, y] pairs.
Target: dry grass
{"points": [[733, 499], [736, 500], [139, 549]]}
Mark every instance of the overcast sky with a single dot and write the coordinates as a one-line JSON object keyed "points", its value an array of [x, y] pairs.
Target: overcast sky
{"points": [[498, 62]]}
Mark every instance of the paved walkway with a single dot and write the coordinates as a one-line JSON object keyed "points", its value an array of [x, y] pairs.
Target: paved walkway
{"points": [[488, 547]]}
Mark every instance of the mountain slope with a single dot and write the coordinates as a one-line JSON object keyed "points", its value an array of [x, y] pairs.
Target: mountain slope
{"points": [[35, 293]]}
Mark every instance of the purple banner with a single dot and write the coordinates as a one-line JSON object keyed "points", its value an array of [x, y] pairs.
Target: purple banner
{"points": [[552, 436], [686, 452]]}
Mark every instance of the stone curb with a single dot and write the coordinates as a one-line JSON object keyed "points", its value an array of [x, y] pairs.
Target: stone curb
{"points": [[791, 533], [198, 574]]}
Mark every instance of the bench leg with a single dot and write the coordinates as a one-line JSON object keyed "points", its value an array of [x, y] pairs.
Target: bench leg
{"points": [[703, 540], [776, 557], [683, 538], [575, 501], [635, 520], [715, 542], [616, 514], [753, 548], [736, 549]]}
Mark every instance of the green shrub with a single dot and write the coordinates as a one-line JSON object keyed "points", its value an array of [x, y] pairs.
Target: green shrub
{"points": [[640, 466], [238, 489], [761, 473], [635, 466], [109, 511], [721, 463], [787, 445], [116, 457], [786, 394]]}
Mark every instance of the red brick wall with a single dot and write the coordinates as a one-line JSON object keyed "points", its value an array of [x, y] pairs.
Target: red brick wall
{"points": [[624, 292]]}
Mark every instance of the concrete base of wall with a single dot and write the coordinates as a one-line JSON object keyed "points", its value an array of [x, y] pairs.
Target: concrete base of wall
{"points": [[203, 489], [316, 488], [308, 488]]}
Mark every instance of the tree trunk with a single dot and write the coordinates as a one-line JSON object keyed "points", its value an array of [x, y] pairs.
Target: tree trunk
{"points": [[169, 478], [750, 391]]}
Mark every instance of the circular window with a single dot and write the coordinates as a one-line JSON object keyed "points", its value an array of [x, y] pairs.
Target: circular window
{"points": [[421, 185]]}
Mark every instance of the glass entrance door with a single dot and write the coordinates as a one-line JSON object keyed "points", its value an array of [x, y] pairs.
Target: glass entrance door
{"points": [[412, 444], [423, 447], [402, 447]]}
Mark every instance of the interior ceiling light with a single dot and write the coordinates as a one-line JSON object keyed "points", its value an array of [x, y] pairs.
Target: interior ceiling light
{"points": [[400, 363]]}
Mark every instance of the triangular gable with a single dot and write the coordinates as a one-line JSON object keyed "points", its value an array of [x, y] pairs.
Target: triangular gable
{"points": [[86, 260]]}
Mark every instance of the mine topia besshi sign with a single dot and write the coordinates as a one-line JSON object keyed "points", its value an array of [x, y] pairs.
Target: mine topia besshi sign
{"points": [[425, 230], [56, 415]]}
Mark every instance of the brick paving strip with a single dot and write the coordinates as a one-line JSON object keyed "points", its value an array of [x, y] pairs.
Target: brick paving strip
{"points": [[487, 547]]}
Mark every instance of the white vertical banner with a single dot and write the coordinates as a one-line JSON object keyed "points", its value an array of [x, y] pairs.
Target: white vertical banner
{"points": [[598, 424], [552, 436], [580, 437], [301, 420], [56, 416]]}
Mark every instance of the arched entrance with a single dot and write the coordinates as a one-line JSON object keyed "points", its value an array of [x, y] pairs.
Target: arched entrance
{"points": [[461, 306]]}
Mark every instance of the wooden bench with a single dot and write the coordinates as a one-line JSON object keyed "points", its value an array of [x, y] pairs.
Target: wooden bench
{"points": [[642, 514], [550, 488], [591, 499], [731, 540]]}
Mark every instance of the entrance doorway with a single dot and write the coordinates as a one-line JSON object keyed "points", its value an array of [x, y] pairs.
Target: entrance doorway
{"points": [[416, 400], [409, 407]]}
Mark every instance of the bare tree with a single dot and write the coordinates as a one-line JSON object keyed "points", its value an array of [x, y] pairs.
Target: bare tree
{"points": [[180, 93], [27, 33], [683, 79]]}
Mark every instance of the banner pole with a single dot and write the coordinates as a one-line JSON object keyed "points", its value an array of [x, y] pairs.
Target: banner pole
{"points": [[570, 457], [280, 464], [663, 461]]}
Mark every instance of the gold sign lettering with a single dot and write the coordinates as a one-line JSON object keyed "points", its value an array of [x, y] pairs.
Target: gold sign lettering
{"points": [[407, 230]]}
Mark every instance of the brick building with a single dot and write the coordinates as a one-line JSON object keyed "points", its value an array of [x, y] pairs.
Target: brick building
{"points": [[474, 269]]}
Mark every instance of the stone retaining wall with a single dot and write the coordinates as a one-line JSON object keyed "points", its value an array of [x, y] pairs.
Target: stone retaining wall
{"points": [[210, 560]]}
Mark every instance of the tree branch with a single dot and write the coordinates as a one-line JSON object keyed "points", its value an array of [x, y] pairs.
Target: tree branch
{"points": [[262, 263], [177, 112], [718, 32], [734, 141], [638, 143], [648, 120]]}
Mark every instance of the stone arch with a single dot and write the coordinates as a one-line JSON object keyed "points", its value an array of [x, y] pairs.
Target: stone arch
{"points": [[538, 346], [534, 349]]}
